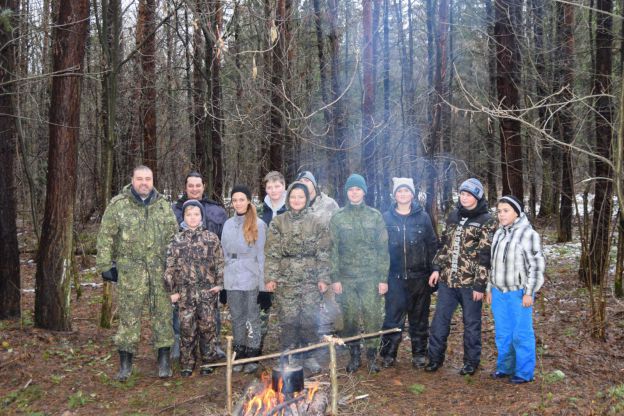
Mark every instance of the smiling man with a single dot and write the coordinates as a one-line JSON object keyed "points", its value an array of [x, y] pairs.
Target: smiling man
{"points": [[132, 243]]}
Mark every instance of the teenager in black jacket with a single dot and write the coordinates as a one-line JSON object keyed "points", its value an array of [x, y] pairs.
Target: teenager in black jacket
{"points": [[412, 244]]}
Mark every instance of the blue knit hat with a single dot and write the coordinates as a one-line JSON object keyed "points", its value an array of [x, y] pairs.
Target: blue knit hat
{"points": [[356, 180], [472, 186]]}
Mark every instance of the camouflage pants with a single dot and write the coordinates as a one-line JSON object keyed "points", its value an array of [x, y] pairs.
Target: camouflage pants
{"points": [[360, 300], [198, 330], [297, 309], [138, 290]]}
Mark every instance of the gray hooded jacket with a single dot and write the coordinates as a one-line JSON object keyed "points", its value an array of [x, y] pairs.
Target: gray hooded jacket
{"points": [[244, 264]]}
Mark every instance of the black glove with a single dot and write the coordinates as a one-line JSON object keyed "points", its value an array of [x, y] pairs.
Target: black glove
{"points": [[110, 274], [223, 296], [265, 300]]}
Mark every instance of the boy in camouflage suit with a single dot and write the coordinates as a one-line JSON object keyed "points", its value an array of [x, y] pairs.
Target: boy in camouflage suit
{"points": [[360, 261], [462, 267], [194, 277], [136, 228]]}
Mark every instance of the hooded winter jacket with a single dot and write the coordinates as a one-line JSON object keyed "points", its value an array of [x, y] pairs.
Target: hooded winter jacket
{"points": [[214, 216], [135, 233], [359, 244], [194, 264], [244, 263], [412, 243], [464, 258], [267, 213], [323, 207], [517, 258], [296, 249]]}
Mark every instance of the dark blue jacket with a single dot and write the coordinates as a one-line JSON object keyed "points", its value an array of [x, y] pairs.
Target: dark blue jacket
{"points": [[412, 243], [267, 213], [214, 215]]}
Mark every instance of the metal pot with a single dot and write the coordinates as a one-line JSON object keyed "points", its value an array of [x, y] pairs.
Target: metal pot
{"points": [[292, 377]]}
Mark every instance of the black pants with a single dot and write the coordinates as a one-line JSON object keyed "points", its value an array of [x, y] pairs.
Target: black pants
{"points": [[448, 299], [409, 298]]}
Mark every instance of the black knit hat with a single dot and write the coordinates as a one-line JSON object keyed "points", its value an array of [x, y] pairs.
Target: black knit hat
{"points": [[243, 189], [514, 202]]}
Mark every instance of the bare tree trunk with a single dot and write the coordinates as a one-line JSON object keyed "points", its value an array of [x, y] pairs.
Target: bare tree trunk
{"points": [[55, 256], [599, 242], [368, 101], [277, 127], [214, 56], [385, 201], [146, 37], [338, 164], [10, 283], [564, 121], [508, 14], [201, 158], [492, 193]]}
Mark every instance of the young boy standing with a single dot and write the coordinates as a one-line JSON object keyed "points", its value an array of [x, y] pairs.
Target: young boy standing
{"points": [[517, 274], [194, 277]]}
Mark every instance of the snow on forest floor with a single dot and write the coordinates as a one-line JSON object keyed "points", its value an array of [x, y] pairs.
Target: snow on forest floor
{"points": [[51, 373]]}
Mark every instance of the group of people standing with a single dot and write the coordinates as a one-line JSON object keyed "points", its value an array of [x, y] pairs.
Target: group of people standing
{"points": [[302, 253]]}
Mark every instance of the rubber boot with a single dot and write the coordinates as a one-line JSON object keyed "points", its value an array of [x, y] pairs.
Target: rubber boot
{"points": [[250, 368], [125, 366], [206, 359], [419, 350], [241, 352], [388, 353], [164, 362], [371, 356], [356, 359]]}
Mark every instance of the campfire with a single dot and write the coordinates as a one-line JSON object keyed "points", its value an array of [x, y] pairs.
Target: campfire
{"points": [[283, 393]]}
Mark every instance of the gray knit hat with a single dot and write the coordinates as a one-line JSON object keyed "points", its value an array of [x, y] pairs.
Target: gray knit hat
{"points": [[398, 183], [193, 203], [308, 175], [473, 186]]}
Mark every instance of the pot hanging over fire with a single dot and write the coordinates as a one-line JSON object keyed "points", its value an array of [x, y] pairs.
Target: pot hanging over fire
{"points": [[292, 378]]}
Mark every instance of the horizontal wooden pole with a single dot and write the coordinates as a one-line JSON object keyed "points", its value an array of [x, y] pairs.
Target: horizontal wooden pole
{"points": [[304, 349]]}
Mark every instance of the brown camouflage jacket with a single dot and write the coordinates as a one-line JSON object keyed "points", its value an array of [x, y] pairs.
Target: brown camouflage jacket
{"points": [[194, 264], [464, 257]]}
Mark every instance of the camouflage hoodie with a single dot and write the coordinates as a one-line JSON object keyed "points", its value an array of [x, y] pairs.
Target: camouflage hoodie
{"points": [[194, 264], [134, 233], [359, 244], [464, 259], [296, 249], [323, 207]]}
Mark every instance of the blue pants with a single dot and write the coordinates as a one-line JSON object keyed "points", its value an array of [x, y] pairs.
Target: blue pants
{"points": [[448, 299], [515, 339]]}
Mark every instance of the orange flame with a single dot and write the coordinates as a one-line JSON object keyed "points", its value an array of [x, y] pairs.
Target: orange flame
{"points": [[265, 400]]}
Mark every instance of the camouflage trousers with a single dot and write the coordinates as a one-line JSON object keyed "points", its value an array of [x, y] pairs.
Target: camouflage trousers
{"points": [[139, 290], [362, 309], [297, 308], [198, 330]]}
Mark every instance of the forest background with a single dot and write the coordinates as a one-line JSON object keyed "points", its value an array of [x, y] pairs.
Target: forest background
{"points": [[524, 95]]}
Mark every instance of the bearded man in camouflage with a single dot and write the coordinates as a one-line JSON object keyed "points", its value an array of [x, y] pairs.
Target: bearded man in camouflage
{"points": [[360, 262], [135, 231]]}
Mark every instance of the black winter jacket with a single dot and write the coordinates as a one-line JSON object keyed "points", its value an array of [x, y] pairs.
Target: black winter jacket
{"points": [[412, 243]]}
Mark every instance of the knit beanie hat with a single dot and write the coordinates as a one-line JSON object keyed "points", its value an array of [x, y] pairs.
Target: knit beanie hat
{"points": [[193, 203], [308, 175], [514, 202], [243, 189], [472, 186], [398, 183], [356, 180]]}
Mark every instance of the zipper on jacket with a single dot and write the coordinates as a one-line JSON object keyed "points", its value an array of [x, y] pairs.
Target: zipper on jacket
{"points": [[404, 251]]}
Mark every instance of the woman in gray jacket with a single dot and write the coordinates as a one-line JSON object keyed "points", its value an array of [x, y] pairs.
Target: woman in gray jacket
{"points": [[243, 247]]}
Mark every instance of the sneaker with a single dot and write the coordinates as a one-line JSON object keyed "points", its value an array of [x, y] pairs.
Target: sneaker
{"points": [[518, 380], [432, 367], [497, 375], [418, 361], [388, 361], [206, 371], [186, 373], [467, 370]]}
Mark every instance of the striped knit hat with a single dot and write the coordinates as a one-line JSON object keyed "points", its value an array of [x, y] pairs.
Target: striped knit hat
{"points": [[514, 202]]}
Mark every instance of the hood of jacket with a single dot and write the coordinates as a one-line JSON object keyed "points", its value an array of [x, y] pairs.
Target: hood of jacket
{"points": [[481, 208]]}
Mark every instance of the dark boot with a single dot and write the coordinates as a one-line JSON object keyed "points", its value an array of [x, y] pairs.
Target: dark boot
{"points": [[371, 355], [241, 352], [419, 351], [388, 352], [164, 362], [125, 366], [250, 368], [356, 359], [418, 361]]}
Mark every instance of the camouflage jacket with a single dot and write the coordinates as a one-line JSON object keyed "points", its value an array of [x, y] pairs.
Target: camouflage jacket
{"points": [[323, 208], [194, 263], [359, 247], [134, 234], [464, 257], [296, 250]]}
